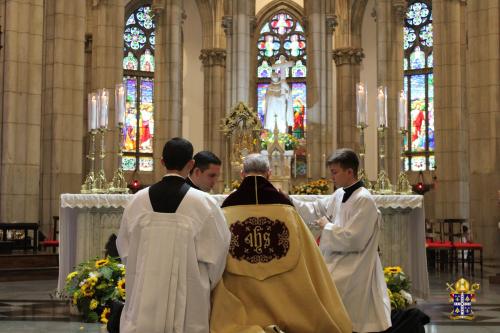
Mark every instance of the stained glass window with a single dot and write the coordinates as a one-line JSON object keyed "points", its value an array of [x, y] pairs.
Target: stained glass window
{"points": [[282, 35], [138, 70], [419, 85]]}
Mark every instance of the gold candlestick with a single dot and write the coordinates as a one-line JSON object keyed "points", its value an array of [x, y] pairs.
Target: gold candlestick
{"points": [[403, 186], [101, 184], [361, 173], [89, 183], [118, 184], [383, 184]]}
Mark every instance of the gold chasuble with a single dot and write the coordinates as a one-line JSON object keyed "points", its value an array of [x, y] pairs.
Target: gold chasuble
{"points": [[275, 275]]}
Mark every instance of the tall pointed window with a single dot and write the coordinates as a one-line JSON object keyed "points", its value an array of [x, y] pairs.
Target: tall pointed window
{"points": [[282, 39], [419, 85], [138, 74]]}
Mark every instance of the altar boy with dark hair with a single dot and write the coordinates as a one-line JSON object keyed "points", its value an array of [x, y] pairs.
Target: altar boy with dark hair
{"points": [[173, 240]]}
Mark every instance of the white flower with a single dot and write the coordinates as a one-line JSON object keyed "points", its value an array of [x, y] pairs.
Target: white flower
{"points": [[94, 274], [120, 265], [407, 296]]}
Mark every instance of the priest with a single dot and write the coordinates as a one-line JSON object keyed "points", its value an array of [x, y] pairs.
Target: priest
{"points": [[173, 240], [350, 224], [275, 275], [206, 171]]}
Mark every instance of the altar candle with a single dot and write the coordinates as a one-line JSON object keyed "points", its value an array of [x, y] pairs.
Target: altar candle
{"points": [[361, 99], [119, 104], [323, 166], [92, 111], [103, 115], [309, 166], [382, 106], [402, 114]]}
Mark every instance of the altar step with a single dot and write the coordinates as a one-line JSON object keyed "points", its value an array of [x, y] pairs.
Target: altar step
{"points": [[27, 267]]}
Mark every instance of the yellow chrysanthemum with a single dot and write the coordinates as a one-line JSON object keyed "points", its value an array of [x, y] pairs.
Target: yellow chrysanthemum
{"points": [[121, 287], [91, 280], [93, 304], [100, 263], [105, 315], [71, 275], [75, 297]]}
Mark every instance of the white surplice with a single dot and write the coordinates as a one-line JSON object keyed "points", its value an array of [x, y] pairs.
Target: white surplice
{"points": [[172, 261], [349, 245]]}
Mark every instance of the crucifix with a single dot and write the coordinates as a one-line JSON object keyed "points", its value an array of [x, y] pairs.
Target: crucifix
{"points": [[282, 66]]}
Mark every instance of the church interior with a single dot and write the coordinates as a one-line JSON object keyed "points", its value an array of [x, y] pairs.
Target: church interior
{"points": [[90, 91]]}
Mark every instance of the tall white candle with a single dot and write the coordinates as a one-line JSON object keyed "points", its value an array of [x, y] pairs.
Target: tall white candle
{"points": [[361, 102], [90, 112], [94, 110], [104, 101], [119, 104], [402, 111], [382, 106], [294, 165], [323, 166], [309, 165]]}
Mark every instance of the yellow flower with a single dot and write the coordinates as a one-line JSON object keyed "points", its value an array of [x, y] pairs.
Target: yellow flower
{"points": [[87, 289], [121, 287], [100, 263], [105, 315], [92, 280], [93, 304], [75, 297], [71, 276]]}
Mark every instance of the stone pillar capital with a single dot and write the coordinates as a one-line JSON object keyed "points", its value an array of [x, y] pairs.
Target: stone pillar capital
{"points": [[331, 23], [213, 57], [348, 55], [158, 7], [400, 9], [227, 24]]}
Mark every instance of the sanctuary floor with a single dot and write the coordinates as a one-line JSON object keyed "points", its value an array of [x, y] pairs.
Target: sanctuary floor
{"points": [[29, 307]]}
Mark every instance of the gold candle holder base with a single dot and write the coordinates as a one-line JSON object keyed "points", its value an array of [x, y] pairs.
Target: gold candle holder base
{"points": [[118, 185], [101, 184], [403, 186], [383, 184], [366, 181], [88, 184]]}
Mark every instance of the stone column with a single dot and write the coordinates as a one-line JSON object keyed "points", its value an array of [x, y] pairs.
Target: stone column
{"points": [[107, 19], [214, 61], [347, 60], [238, 22], [168, 75], [483, 106], [63, 103], [390, 22], [320, 24], [21, 60], [450, 105]]}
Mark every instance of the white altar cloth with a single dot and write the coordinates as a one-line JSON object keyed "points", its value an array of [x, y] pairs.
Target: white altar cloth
{"points": [[87, 220]]}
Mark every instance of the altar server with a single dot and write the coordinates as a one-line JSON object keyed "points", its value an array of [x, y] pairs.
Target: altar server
{"points": [[275, 275], [350, 224], [173, 240], [206, 171]]}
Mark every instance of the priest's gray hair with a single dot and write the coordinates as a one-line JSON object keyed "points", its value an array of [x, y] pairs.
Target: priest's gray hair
{"points": [[256, 163]]}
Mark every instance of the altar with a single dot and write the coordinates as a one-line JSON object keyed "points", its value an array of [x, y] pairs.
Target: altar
{"points": [[87, 220]]}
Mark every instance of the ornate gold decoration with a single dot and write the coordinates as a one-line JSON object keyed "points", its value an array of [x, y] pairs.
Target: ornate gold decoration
{"points": [[403, 186], [348, 55], [462, 294], [88, 184]]}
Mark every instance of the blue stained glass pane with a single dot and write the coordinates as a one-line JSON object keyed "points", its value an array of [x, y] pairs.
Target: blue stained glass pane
{"points": [[265, 28], [145, 18], [295, 45], [407, 164], [152, 40], [426, 35], [130, 126], [430, 61], [418, 163], [430, 112], [405, 63], [146, 121], [298, 27], [134, 37], [128, 163], [299, 99], [417, 106], [131, 20], [281, 23], [264, 70], [409, 37], [299, 70], [417, 59], [147, 61], [130, 62], [432, 162], [146, 164], [261, 94], [417, 13]]}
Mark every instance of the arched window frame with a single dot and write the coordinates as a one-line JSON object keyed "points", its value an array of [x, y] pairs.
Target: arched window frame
{"points": [[269, 13], [418, 35], [138, 159]]}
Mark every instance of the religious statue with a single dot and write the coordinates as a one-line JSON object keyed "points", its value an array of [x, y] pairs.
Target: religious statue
{"points": [[278, 99]]}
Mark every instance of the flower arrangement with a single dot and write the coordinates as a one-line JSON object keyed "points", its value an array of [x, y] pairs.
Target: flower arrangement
{"points": [[398, 287], [288, 141], [319, 186], [93, 285]]}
